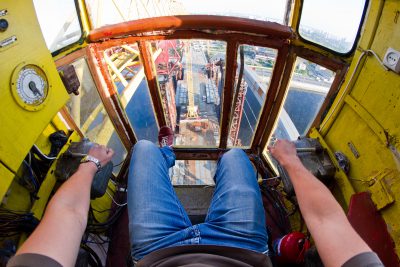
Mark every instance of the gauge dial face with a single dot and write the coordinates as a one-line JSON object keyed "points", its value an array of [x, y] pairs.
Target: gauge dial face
{"points": [[32, 85]]}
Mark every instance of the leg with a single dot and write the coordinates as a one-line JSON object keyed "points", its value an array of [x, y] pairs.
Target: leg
{"points": [[155, 214], [236, 214]]}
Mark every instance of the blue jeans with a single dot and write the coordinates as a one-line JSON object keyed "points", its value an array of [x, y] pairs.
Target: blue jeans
{"points": [[158, 220]]}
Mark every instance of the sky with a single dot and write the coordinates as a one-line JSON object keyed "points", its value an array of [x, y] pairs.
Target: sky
{"points": [[52, 15], [338, 17], [273, 9]]}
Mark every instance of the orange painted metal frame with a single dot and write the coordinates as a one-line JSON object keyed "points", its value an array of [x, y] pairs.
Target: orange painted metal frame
{"points": [[151, 75], [234, 31], [114, 112], [191, 22], [109, 96]]}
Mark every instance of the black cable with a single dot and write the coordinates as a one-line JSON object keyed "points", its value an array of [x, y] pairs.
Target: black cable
{"points": [[119, 164], [102, 240], [41, 155], [101, 211], [274, 197], [13, 223], [96, 262], [91, 214], [101, 227]]}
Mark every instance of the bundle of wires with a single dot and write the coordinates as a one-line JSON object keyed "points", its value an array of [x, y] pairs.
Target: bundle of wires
{"points": [[13, 223], [97, 235], [95, 227], [89, 243], [94, 259], [35, 170], [274, 197], [93, 233], [30, 179]]}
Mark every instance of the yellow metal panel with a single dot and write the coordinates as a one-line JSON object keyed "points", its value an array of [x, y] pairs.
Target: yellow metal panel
{"points": [[103, 203], [43, 140], [295, 14], [48, 184], [371, 23], [19, 127], [380, 188], [59, 123], [373, 107], [341, 178], [367, 117], [17, 197], [6, 180]]}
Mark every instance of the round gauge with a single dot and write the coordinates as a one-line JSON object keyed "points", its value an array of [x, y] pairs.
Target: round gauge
{"points": [[30, 86]]}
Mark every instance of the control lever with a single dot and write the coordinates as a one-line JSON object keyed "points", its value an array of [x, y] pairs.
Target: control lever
{"points": [[314, 158], [69, 161]]}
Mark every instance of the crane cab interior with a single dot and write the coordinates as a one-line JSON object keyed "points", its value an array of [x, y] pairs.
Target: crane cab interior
{"points": [[324, 74]]}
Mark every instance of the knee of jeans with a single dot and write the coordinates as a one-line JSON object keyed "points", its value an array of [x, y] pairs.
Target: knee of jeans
{"points": [[143, 146], [234, 152]]}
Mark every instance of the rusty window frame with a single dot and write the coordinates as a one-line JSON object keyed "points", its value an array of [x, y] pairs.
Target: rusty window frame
{"points": [[205, 27], [338, 67], [124, 131]]}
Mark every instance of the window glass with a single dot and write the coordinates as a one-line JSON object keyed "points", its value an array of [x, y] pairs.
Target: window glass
{"points": [[90, 116], [126, 70], [191, 77], [193, 172], [258, 66], [59, 22], [107, 12], [333, 24], [308, 88]]}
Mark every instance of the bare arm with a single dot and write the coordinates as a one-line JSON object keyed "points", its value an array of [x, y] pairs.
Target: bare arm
{"points": [[334, 237], [59, 234]]}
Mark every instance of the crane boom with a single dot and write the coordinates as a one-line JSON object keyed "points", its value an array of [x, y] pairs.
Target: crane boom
{"points": [[192, 109]]}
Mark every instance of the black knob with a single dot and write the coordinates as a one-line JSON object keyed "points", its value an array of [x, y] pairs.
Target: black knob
{"points": [[32, 86], [3, 25]]}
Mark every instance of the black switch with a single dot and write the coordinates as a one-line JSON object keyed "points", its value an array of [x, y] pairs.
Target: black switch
{"points": [[3, 25]]}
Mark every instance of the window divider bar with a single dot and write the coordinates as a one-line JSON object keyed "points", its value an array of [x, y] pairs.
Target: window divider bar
{"points": [[151, 76], [337, 82], [275, 96], [227, 98], [70, 121], [109, 97], [201, 153]]}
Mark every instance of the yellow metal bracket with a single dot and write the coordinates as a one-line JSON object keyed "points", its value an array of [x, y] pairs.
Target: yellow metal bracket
{"points": [[367, 118], [48, 184], [341, 178], [6, 179], [380, 190]]}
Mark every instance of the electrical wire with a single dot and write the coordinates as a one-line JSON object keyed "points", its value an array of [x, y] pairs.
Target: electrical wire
{"points": [[274, 198], [369, 51], [101, 211], [32, 177], [41, 154], [115, 202], [12, 223], [118, 164], [94, 258], [101, 227]]}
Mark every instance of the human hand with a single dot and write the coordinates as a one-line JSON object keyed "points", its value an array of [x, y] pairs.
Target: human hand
{"points": [[102, 153], [284, 152]]}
